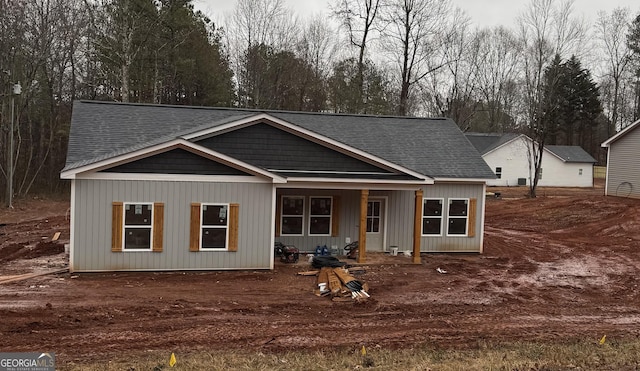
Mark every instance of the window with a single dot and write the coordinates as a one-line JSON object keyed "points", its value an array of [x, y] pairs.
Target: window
{"points": [[373, 216], [458, 216], [292, 215], [138, 220], [214, 225], [540, 174], [320, 216], [579, 171], [432, 216], [499, 172], [137, 226]]}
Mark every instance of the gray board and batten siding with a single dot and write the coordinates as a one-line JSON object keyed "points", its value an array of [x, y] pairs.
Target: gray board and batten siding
{"points": [[92, 225], [623, 172], [392, 156], [399, 219], [400, 215]]}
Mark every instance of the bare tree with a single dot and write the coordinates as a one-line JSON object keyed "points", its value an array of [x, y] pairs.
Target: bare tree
{"points": [[413, 35], [258, 24], [546, 30], [611, 31], [318, 45], [497, 63], [359, 17], [452, 88]]}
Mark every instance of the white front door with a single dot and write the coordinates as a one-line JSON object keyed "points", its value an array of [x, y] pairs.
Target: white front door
{"points": [[375, 224]]}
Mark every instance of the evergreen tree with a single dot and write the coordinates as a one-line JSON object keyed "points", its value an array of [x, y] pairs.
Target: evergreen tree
{"points": [[349, 94], [571, 104], [278, 79]]}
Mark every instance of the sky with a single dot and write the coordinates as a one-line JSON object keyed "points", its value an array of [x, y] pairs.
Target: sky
{"points": [[483, 13]]}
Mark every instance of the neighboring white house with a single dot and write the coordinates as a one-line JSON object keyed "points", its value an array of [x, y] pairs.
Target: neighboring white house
{"points": [[623, 167], [507, 155]]}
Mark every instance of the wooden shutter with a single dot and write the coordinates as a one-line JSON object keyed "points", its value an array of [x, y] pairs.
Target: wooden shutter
{"points": [[335, 216], [194, 229], [116, 227], [234, 213], [472, 217], [278, 215], [158, 225]]}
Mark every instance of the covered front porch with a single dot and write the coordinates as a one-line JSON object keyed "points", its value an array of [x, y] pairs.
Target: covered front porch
{"points": [[379, 217]]}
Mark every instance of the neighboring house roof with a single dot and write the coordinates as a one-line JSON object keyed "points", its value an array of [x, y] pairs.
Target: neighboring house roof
{"points": [[574, 154], [432, 147], [621, 133], [487, 142]]}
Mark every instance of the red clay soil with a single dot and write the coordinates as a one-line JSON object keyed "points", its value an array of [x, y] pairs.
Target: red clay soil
{"points": [[558, 268]]}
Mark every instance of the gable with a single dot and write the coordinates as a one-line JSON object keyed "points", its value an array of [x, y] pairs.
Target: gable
{"points": [[175, 161], [622, 133], [279, 151]]}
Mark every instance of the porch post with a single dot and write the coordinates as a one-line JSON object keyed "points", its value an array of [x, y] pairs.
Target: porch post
{"points": [[362, 235], [417, 227]]}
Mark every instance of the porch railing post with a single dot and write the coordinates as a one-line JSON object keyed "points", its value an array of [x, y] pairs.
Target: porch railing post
{"points": [[417, 227], [362, 235]]}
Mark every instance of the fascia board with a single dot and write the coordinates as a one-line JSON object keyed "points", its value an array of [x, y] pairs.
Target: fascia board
{"points": [[307, 134], [463, 180], [624, 131], [331, 184], [359, 181], [173, 144]]}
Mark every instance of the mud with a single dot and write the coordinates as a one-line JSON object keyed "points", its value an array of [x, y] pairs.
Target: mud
{"points": [[559, 268]]}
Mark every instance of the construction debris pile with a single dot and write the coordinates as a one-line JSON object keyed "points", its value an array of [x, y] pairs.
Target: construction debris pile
{"points": [[336, 281]]}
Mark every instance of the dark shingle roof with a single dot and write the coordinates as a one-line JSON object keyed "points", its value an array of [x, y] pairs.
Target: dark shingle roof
{"points": [[571, 154], [433, 147]]}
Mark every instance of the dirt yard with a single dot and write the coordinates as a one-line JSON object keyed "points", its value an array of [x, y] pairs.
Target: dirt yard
{"points": [[562, 267]]}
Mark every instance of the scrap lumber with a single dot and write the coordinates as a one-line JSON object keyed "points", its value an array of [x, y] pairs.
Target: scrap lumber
{"points": [[338, 283], [21, 277], [308, 273], [335, 286], [56, 236]]}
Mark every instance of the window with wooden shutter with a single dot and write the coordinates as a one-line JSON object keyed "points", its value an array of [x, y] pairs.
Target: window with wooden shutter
{"points": [[137, 226], [116, 227], [214, 227], [158, 226]]}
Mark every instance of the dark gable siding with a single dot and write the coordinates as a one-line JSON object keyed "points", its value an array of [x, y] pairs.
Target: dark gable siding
{"points": [[177, 161], [271, 148]]}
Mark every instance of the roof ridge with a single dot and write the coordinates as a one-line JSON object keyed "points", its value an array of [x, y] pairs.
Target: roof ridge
{"points": [[258, 110]]}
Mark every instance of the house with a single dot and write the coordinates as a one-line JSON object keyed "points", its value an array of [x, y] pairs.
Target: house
{"points": [[191, 188], [508, 156], [623, 167]]}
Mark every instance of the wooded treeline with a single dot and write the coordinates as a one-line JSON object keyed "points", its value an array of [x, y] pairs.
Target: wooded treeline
{"points": [[552, 76]]}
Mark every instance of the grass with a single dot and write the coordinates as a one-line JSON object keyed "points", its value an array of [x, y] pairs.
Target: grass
{"points": [[512, 357]]}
